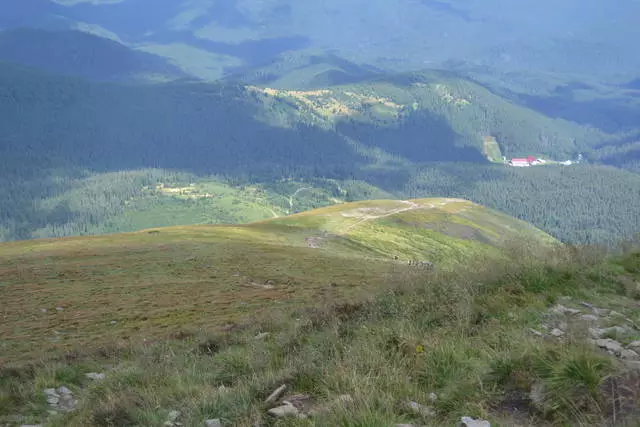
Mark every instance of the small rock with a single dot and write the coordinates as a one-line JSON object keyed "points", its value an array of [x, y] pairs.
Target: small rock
{"points": [[632, 364], [43, 310], [420, 409], [261, 336], [536, 395], [213, 423], [53, 400], [586, 304], [615, 313], [64, 391], [173, 416], [59, 309], [470, 422], [635, 346], [536, 333], [113, 322], [283, 411], [433, 397], [561, 309], [589, 317], [629, 354], [273, 397], [344, 399], [557, 332], [95, 376], [612, 346], [614, 330], [50, 392], [67, 403]]}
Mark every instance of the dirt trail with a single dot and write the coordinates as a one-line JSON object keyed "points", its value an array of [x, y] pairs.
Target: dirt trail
{"points": [[370, 214], [368, 217]]}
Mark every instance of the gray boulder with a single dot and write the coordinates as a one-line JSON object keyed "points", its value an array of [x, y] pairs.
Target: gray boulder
{"points": [[470, 422], [285, 410], [95, 376]]}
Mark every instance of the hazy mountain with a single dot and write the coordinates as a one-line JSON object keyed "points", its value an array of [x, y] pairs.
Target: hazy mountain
{"points": [[587, 36], [81, 54]]}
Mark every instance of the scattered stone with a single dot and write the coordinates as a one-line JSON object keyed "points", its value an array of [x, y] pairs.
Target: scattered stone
{"points": [[536, 333], [635, 346], [344, 399], [262, 336], [614, 330], [95, 376], [172, 419], [298, 400], [612, 346], [420, 409], [283, 411], [59, 309], [273, 397], [561, 309], [587, 305], [67, 403], [589, 317], [470, 422], [64, 391], [615, 313], [213, 423], [61, 399], [627, 354], [222, 389], [43, 310], [537, 394], [433, 397], [632, 364], [557, 332], [113, 322]]}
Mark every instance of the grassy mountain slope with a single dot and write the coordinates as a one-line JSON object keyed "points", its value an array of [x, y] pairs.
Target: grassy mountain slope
{"points": [[208, 321], [81, 54], [217, 274]]}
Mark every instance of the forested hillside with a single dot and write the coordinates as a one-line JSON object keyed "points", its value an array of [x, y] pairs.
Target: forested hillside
{"points": [[81, 158]]}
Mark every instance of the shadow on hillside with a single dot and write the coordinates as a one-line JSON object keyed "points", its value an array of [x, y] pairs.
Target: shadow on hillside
{"points": [[611, 114], [421, 137]]}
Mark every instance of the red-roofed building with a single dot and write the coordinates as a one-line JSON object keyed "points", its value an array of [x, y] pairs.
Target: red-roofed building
{"points": [[521, 163]]}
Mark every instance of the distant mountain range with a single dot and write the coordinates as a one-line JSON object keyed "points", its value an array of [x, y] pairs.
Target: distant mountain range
{"points": [[211, 39], [85, 55]]}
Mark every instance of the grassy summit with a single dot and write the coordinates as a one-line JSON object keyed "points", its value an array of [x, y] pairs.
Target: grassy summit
{"points": [[156, 282]]}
